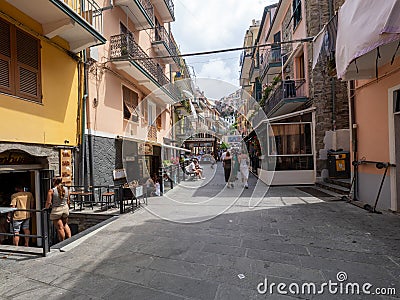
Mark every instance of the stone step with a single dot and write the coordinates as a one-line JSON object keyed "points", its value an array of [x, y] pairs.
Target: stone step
{"points": [[342, 182], [333, 187]]}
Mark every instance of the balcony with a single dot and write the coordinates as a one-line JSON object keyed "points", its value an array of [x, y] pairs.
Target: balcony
{"points": [[79, 22], [140, 11], [164, 46], [166, 10], [286, 98], [245, 62], [254, 71], [273, 62], [128, 56]]}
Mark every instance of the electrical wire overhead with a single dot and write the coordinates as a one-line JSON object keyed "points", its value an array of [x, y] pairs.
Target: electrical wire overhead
{"points": [[308, 39]]}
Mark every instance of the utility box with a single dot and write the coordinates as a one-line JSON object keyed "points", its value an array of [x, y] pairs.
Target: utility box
{"points": [[339, 164]]}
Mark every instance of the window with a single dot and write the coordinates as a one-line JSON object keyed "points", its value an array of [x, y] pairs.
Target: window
{"points": [[291, 145], [19, 63], [296, 12], [159, 118], [301, 70], [151, 114], [396, 99], [130, 99]]}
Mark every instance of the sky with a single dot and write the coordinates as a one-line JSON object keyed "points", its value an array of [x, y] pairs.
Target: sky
{"points": [[206, 25]]}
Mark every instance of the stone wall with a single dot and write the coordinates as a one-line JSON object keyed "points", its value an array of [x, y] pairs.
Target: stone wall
{"points": [[80, 222], [49, 156], [104, 159], [327, 93]]}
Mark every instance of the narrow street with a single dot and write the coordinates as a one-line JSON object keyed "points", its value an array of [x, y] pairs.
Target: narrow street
{"points": [[288, 237]]}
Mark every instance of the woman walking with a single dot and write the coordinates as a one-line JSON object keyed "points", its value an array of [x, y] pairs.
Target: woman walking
{"points": [[58, 198], [244, 168], [227, 163]]}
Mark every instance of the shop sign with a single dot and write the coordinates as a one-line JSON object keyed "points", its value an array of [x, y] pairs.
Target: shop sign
{"points": [[145, 149], [119, 174], [16, 158], [66, 166]]}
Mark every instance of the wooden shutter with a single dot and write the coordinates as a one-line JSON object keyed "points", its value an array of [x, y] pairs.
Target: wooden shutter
{"points": [[6, 72], [28, 66]]}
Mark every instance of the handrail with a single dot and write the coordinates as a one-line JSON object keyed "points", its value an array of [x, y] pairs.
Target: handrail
{"points": [[287, 89], [45, 229]]}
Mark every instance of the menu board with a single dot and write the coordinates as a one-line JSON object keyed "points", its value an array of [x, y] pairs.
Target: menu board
{"points": [[66, 166]]}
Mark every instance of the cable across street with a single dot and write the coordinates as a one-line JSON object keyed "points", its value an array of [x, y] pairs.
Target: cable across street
{"points": [[303, 40]]}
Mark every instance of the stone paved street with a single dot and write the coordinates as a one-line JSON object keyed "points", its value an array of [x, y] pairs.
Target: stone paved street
{"points": [[206, 243]]}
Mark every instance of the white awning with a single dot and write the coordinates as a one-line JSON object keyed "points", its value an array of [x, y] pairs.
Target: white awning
{"points": [[368, 37]]}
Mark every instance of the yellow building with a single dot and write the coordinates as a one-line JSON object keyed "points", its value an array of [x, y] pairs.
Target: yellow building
{"points": [[42, 89]]}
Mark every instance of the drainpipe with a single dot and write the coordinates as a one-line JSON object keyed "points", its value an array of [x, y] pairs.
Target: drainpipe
{"points": [[89, 160], [354, 138], [111, 6], [333, 97], [83, 177]]}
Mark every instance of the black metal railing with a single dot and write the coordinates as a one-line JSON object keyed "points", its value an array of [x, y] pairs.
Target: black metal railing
{"points": [[124, 47], [44, 223], [148, 8], [285, 90], [162, 35], [171, 8], [253, 69], [172, 175]]}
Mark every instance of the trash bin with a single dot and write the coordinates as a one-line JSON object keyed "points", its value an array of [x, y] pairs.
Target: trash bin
{"points": [[339, 164]]}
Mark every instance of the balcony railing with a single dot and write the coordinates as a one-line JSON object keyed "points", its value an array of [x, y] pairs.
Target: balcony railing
{"points": [[170, 6], [124, 47], [253, 70], [88, 10], [288, 89], [162, 35], [148, 7], [274, 57]]}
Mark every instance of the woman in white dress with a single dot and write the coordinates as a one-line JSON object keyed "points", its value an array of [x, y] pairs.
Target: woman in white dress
{"points": [[244, 168]]}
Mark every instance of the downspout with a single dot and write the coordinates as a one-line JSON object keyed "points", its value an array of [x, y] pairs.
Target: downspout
{"points": [[354, 138], [89, 160], [83, 178]]}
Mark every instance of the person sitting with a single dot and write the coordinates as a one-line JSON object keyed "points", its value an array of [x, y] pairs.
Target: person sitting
{"points": [[191, 169]]}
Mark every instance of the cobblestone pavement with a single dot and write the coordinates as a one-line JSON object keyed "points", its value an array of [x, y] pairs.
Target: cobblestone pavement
{"points": [[289, 237]]}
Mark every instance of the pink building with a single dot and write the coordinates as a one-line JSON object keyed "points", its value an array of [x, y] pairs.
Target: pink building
{"points": [[129, 93], [370, 59]]}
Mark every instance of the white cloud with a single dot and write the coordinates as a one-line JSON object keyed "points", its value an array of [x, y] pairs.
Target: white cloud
{"points": [[206, 25]]}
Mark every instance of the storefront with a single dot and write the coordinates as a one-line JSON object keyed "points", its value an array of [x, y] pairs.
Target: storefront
{"points": [[18, 167], [288, 149], [199, 145]]}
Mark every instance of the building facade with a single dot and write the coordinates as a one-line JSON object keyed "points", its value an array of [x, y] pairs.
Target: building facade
{"points": [[131, 92], [307, 108], [41, 91], [374, 97]]}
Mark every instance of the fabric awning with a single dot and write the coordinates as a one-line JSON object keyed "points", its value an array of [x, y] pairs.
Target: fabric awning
{"points": [[368, 37]]}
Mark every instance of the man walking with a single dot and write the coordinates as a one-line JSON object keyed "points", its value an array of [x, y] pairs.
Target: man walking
{"points": [[21, 200]]}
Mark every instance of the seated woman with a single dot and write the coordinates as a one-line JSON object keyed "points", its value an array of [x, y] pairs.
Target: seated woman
{"points": [[195, 168]]}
